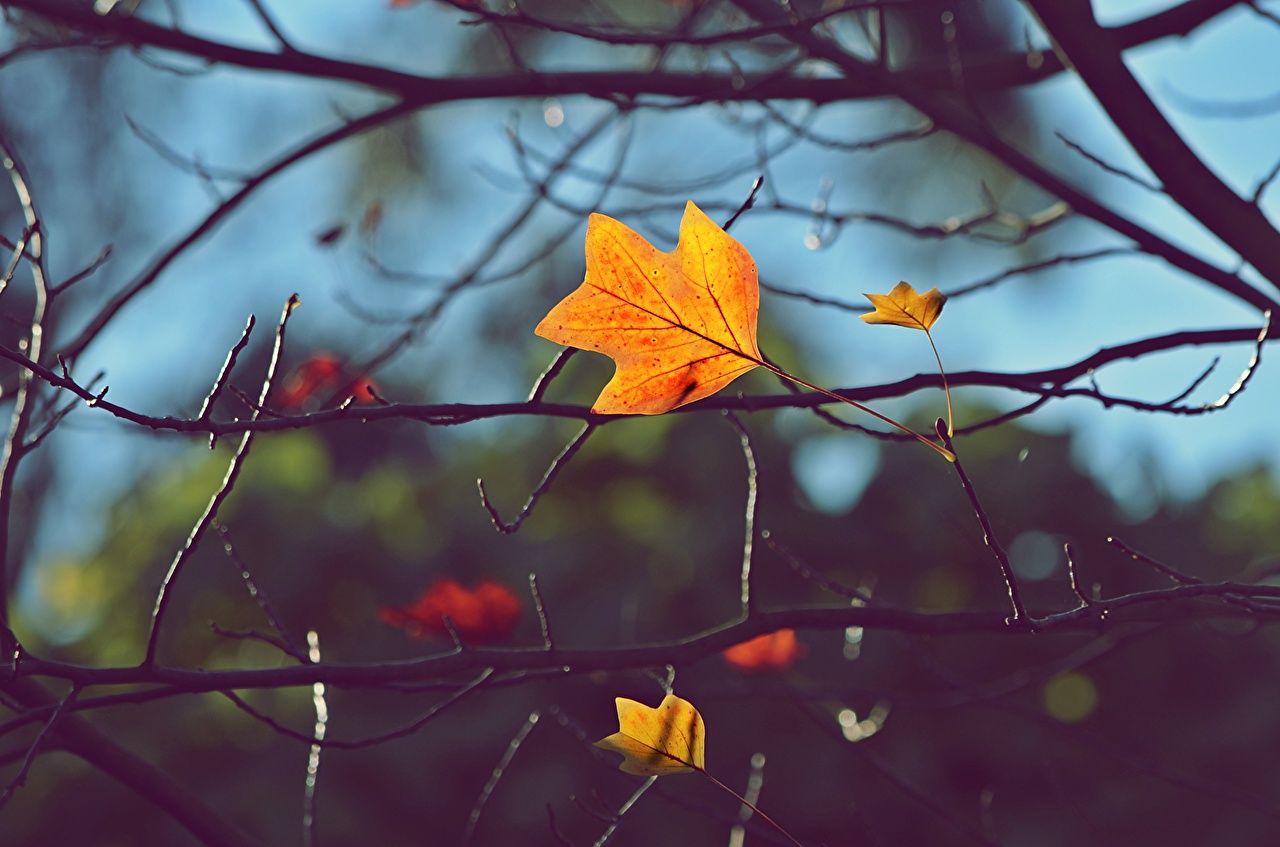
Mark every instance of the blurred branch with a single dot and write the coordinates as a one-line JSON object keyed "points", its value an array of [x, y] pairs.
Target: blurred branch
{"points": [[152, 272], [948, 114], [996, 72], [20, 778], [548, 478], [320, 741], [286, 641], [1175, 604], [746, 580], [80, 738], [1114, 170], [14, 447], [504, 763]]}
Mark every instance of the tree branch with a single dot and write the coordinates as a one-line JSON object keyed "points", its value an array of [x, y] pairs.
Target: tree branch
{"points": [[1183, 174]]}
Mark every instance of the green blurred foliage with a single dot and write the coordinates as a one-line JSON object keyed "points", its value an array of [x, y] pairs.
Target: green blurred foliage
{"points": [[641, 539]]}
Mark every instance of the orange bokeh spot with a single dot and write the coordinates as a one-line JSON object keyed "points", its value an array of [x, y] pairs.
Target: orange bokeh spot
{"points": [[486, 613], [772, 651]]}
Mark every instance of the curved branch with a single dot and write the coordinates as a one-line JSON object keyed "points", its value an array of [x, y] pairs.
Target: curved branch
{"points": [[1159, 606], [1045, 382], [78, 736], [1002, 70]]}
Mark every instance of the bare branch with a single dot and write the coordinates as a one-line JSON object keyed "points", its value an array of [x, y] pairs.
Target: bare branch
{"points": [[1115, 170], [746, 581], [544, 485], [1020, 616], [1095, 56], [20, 778], [998, 72], [369, 741], [164, 595], [504, 763], [321, 707]]}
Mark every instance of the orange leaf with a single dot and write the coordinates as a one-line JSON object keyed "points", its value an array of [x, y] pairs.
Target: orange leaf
{"points": [[484, 614], [679, 326], [903, 306], [771, 651], [657, 741]]}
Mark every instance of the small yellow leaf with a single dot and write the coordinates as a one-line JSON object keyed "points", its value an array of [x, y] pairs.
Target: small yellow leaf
{"points": [[904, 306], [657, 741]]}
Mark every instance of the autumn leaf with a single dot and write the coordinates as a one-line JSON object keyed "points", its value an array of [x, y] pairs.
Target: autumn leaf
{"points": [[771, 651], [904, 306], [670, 738], [484, 614], [679, 326], [658, 741]]}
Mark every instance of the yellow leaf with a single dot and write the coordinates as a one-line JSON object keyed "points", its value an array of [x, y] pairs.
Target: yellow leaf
{"points": [[657, 741], [904, 306], [679, 326]]}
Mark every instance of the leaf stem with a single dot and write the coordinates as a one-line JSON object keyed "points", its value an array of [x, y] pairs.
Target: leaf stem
{"points": [[752, 806], [946, 385], [942, 451]]}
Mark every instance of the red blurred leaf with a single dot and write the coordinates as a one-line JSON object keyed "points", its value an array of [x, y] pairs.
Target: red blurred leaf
{"points": [[319, 372], [486, 613], [772, 651], [365, 390], [322, 378]]}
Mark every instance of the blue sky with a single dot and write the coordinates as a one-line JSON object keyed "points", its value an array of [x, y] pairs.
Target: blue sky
{"points": [[166, 346]]}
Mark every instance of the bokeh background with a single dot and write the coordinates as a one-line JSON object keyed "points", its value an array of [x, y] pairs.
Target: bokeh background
{"points": [[1146, 736]]}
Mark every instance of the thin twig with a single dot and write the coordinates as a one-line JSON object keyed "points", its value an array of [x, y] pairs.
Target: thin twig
{"points": [[548, 477], [220, 382], [1037, 266], [1020, 617], [756, 185], [269, 22], [1084, 598], [1155, 564], [290, 646], [553, 369], [313, 756], [251, 635], [1250, 368], [1108, 167], [19, 251], [811, 574], [555, 830], [23, 406], [755, 782], [82, 274], [164, 595], [473, 820], [20, 779], [368, 741], [746, 595], [627, 806], [540, 607]]}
